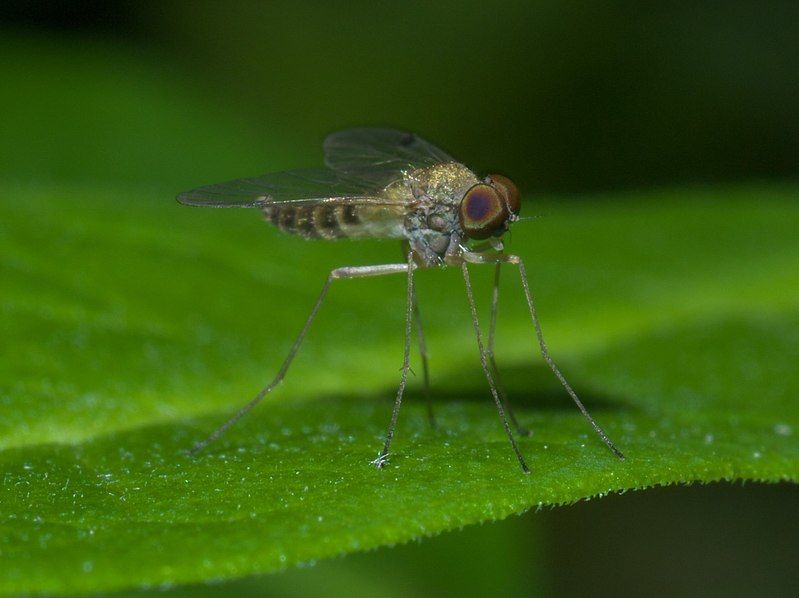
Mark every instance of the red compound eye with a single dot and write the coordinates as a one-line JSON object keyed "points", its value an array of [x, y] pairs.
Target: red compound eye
{"points": [[482, 212]]}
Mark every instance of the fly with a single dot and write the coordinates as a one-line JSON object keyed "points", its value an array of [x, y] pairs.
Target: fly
{"points": [[388, 184]]}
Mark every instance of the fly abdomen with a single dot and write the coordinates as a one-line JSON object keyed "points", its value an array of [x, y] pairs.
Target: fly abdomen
{"points": [[322, 221]]}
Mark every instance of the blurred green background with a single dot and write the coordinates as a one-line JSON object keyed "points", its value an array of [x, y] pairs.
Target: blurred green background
{"points": [[566, 98]]}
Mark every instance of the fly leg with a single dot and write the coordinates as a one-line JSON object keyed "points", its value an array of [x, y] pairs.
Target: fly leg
{"points": [[347, 272], [382, 457], [487, 369], [521, 430], [513, 259]]}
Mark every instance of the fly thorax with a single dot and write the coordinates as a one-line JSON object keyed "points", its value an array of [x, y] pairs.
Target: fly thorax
{"points": [[445, 184]]}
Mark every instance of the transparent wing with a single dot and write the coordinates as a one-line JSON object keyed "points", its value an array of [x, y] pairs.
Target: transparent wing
{"points": [[379, 156], [291, 186]]}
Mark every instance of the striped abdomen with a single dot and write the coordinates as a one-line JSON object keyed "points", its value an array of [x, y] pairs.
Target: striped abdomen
{"points": [[337, 220]]}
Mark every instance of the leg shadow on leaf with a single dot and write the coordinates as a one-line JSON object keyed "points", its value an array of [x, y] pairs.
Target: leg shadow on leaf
{"points": [[358, 417], [527, 388]]}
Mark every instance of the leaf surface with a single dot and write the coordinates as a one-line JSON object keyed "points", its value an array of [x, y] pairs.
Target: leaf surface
{"points": [[131, 327]]}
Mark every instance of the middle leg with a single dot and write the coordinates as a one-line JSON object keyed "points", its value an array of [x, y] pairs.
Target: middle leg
{"points": [[521, 430], [487, 370]]}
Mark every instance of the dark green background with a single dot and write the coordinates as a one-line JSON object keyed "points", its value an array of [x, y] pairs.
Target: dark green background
{"points": [[564, 97]]}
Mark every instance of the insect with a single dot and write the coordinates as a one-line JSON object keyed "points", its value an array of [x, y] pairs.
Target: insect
{"points": [[384, 183]]}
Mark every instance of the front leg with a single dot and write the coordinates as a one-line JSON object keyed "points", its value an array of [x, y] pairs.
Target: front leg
{"points": [[513, 259], [499, 258]]}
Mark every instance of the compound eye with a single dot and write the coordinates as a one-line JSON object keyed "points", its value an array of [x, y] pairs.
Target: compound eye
{"points": [[482, 212], [508, 190]]}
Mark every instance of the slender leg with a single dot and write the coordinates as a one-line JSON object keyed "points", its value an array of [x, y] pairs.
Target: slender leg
{"points": [[382, 457], [487, 370], [348, 272], [521, 430], [417, 317], [545, 354]]}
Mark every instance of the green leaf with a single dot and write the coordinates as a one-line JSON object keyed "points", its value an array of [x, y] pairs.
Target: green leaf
{"points": [[133, 326]]}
